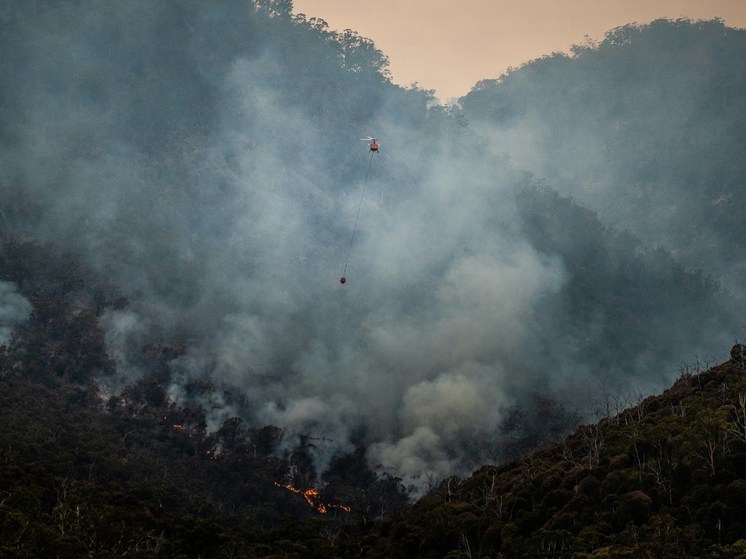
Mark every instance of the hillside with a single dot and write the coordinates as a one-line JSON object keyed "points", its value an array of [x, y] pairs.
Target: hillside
{"points": [[139, 476], [179, 186], [664, 478], [84, 471], [135, 476], [646, 128]]}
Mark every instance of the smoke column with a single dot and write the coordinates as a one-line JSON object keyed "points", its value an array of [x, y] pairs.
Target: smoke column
{"points": [[208, 157]]}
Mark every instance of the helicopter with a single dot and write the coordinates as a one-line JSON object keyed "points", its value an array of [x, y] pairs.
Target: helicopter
{"points": [[372, 142], [373, 145]]}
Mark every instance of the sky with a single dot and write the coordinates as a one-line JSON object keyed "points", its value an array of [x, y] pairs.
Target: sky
{"points": [[449, 45]]}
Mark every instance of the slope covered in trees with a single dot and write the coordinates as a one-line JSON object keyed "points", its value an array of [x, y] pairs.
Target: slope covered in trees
{"points": [[140, 478], [203, 164], [137, 475], [83, 472], [664, 478], [645, 127], [618, 290]]}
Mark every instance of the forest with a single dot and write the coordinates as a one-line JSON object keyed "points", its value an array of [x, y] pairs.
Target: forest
{"points": [[529, 357]]}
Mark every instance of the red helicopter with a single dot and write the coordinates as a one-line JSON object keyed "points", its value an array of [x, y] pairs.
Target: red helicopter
{"points": [[374, 145], [372, 142]]}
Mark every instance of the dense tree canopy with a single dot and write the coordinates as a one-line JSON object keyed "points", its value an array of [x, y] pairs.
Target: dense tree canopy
{"points": [[179, 364]]}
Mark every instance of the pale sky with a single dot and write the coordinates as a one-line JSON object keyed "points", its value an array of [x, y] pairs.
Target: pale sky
{"points": [[449, 45]]}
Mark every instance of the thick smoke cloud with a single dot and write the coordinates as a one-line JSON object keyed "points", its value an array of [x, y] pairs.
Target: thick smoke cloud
{"points": [[219, 180]]}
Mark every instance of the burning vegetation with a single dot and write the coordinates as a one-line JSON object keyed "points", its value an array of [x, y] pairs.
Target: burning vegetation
{"points": [[313, 498]]}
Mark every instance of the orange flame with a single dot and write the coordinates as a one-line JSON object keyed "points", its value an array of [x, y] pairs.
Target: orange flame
{"points": [[312, 496]]}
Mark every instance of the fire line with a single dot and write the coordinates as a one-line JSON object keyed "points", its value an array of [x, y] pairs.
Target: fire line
{"points": [[311, 496]]}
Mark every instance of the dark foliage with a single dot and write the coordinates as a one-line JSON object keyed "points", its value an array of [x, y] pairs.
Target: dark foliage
{"points": [[619, 294], [62, 338], [663, 479], [645, 127], [133, 474]]}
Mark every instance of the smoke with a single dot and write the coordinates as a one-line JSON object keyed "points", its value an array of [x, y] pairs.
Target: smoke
{"points": [[14, 309], [643, 128], [439, 414], [218, 181]]}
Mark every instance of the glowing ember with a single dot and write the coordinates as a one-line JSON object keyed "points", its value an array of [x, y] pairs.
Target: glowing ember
{"points": [[312, 498]]}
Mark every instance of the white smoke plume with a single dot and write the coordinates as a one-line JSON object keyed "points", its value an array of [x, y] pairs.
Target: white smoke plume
{"points": [[14, 309], [208, 157]]}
